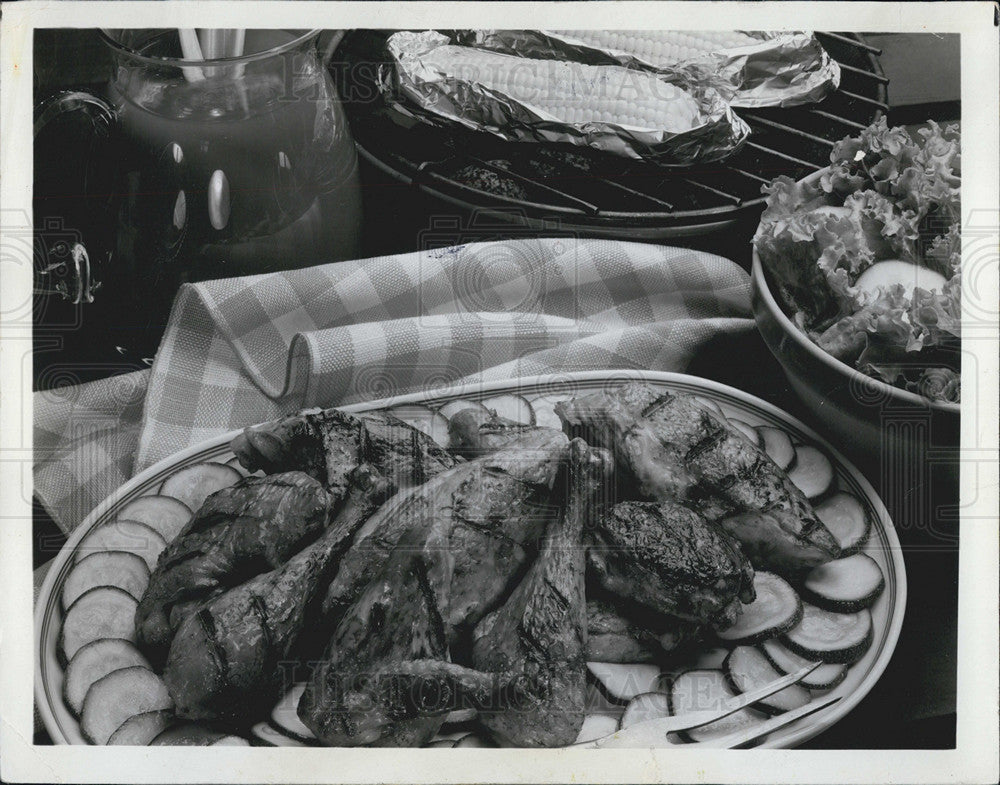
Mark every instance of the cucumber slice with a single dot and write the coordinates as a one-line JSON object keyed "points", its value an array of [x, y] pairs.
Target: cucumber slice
{"points": [[263, 735], [163, 514], [285, 716], [94, 661], [425, 420], [230, 741], [101, 612], [597, 701], [777, 445], [812, 472], [596, 726], [123, 535], [648, 706], [825, 677], [121, 694], [747, 430], [830, 637], [140, 729], [747, 669], [513, 407], [624, 682], [776, 609], [847, 521], [700, 690], [844, 585], [544, 407], [193, 484], [121, 569]]}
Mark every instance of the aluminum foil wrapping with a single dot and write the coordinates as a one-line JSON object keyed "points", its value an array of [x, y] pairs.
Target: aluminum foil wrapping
{"points": [[779, 69], [421, 90]]}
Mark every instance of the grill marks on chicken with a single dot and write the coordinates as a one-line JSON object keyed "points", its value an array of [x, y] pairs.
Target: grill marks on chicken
{"points": [[500, 498], [539, 635], [260, 522], [666, 557], [252, 527], [678, 450], [226, 657], [429, 563], [465, 589], [329, 444]]}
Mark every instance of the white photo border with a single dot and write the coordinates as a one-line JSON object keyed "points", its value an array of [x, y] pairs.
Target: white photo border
{"points": [[975, 757]]}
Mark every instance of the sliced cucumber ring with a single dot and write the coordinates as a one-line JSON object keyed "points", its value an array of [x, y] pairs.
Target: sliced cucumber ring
{"points": [[777, 445], [776, 609], [812, 472], [748, 669], [844, 585], [845, 517], [825, 677], [830, 637]]}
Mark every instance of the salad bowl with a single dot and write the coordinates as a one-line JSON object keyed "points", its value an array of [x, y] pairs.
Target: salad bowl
{"points": [[856, 284], [866, 416]]}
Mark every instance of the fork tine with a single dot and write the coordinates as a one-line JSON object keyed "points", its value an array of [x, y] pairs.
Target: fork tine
{"points": [[745, 736], [741, 701]]}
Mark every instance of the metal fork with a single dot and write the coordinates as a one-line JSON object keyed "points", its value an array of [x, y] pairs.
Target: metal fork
{"points": [[654, 732]]}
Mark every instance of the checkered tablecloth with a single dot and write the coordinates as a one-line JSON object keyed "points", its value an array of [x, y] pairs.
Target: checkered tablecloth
{"points": [[242, 351]]}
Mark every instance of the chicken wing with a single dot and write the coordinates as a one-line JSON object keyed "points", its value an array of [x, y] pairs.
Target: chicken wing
{"points": [[258, 524]]}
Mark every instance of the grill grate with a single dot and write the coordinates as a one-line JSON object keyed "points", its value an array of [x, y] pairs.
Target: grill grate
{"points": [[600, 194]]}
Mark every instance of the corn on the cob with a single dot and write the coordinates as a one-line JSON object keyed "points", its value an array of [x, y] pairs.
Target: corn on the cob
{"points": [[661, 47], [573, 92]]}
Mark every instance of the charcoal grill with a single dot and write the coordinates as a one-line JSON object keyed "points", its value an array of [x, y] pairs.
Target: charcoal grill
{"points": [[601, 195]]}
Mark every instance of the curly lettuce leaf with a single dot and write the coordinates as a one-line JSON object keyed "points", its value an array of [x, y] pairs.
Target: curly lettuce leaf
{"points": [[885, 195], [921, 175]]}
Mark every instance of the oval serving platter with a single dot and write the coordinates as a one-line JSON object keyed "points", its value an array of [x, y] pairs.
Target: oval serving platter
{"points": [[540, 392]]}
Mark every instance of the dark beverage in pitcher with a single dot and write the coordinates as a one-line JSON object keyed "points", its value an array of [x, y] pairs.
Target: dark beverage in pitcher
{"points": [[229, 168]]}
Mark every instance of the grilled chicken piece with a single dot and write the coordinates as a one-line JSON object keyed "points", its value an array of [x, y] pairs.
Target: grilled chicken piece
{"points": [[666, 557], [475, 431], [540, 632], [677, 449], [225, 660], [430, 561], [616, 633], [241, 531], [327, 445], [500, 498], [259, 523]]}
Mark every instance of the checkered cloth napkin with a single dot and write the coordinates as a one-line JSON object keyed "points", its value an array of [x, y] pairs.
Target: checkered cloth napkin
{"points": [[241, 351]]}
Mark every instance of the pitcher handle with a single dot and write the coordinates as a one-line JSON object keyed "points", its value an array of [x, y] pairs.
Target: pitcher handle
{"points": [[64, 268]]}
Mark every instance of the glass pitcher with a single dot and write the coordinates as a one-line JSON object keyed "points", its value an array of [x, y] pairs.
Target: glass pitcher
{"points": [[219, 168]]}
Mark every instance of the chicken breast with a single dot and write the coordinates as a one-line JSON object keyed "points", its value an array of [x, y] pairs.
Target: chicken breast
{"points": [[676, 449]]}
